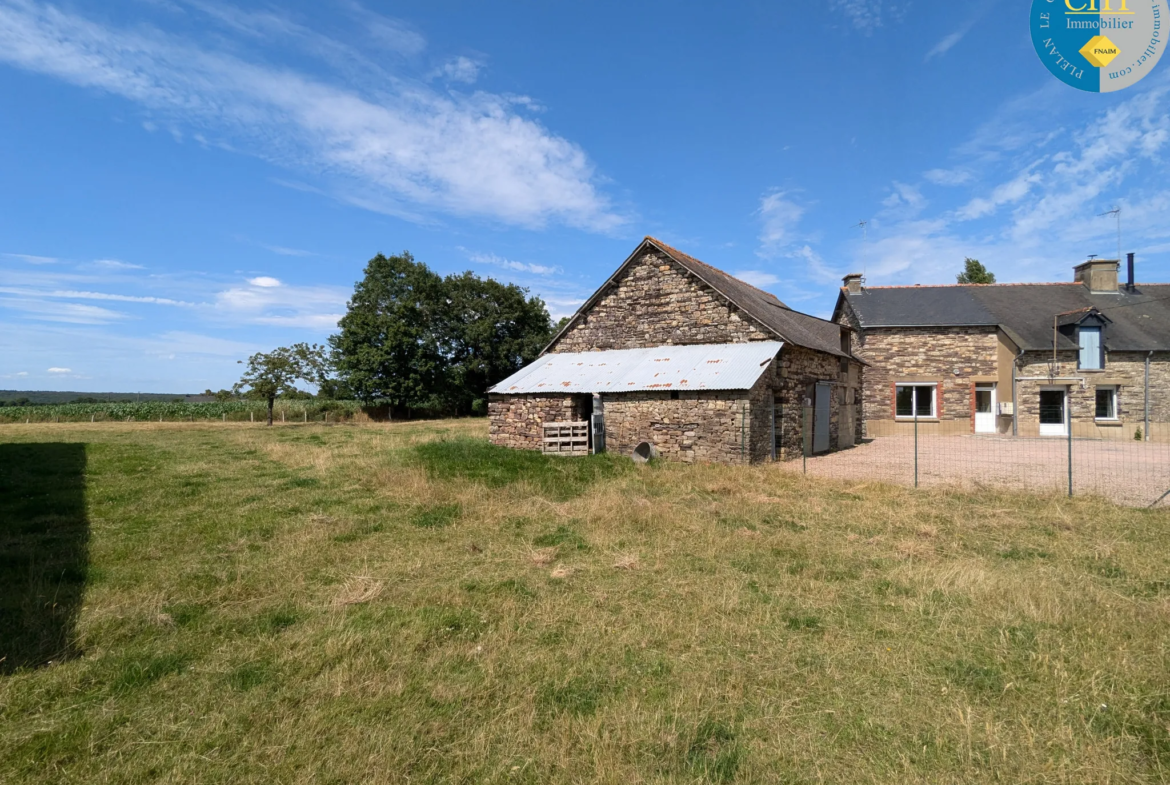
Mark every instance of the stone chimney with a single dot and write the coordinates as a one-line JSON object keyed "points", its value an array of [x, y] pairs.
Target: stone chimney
{"points": [[853, 283], [1100, 275]]}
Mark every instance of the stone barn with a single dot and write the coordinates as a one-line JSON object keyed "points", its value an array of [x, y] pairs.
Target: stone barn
{"points": [[679, 355]]}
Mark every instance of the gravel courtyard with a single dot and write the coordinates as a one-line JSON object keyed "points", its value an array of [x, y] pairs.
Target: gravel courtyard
{"points": [[1130, 473]]}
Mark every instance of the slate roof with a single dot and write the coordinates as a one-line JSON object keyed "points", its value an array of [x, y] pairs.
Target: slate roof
{"points": [[765, 308], [1139, 320]]}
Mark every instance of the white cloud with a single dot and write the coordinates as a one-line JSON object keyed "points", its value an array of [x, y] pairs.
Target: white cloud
{"points": [[115, 264], [1039, 216], [508, 264], [459, 69], [284, 251], [60, 370], [818, 269], [310, 307], [779, 216], [63, 294], [905, 201], [30, 259], [949, 177], [946, 44], [186, 343], [560, 307], [264, 282], [757, 278], [71, 313], [1007, 193], [474, 155], [867, 15]]}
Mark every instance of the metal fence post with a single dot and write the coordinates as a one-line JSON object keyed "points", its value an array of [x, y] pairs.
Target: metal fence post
{"points": [[1069, 429], [916, 445]]}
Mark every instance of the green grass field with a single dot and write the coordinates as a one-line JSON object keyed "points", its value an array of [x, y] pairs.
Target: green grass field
{"points": [[403, 603]]}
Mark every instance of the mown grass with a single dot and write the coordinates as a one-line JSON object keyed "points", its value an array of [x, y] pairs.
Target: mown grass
{"points": [[403, 602]]}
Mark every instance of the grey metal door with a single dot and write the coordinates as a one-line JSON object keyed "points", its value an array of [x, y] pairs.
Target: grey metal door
{"points": [[821, 418]]}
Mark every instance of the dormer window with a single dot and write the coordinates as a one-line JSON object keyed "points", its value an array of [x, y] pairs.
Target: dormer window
{"points": [[1092, 357]]}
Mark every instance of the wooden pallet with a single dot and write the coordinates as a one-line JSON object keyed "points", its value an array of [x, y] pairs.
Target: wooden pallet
{"points": [[566, 438]]}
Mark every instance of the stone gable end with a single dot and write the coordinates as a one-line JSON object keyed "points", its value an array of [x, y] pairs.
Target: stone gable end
{"points": [[656, 302]]}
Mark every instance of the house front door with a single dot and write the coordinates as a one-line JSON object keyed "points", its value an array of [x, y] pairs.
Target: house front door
{"points": [[1053, 414], [985, 408]]}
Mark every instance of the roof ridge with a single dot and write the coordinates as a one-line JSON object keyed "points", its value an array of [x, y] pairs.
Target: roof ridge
{"points": [[976, 285], [672, 250]]}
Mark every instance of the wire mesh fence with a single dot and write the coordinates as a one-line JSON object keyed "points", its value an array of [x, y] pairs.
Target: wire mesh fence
{"points": [[1126, 471]]}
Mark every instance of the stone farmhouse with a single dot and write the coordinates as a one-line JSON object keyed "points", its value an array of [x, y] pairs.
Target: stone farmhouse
{"points": [[673, 353], [1019, 359]]}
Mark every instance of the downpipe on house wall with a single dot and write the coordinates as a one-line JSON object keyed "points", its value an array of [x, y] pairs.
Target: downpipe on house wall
{"points": [[1146, 432], [1015, 403]]}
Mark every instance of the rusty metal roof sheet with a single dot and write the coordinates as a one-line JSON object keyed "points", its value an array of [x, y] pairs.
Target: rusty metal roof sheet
{"points": [[722, 366]]}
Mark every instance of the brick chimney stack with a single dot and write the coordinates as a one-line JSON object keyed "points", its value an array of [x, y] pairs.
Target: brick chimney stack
{"points": [[853, 283]]}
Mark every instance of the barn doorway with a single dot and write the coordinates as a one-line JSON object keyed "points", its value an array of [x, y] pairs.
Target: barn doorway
{"points": [[822, 402], [583, 412]]}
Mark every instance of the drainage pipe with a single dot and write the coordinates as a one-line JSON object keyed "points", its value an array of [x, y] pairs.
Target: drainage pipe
{"points": [[1146, 432], [1015, 403]]}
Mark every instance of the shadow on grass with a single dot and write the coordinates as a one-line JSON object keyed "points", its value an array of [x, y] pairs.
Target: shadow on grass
{"points": [[479, 461], [44, 539]]}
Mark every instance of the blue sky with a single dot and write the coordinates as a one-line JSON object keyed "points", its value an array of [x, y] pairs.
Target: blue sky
{"points": [[185, 182]]}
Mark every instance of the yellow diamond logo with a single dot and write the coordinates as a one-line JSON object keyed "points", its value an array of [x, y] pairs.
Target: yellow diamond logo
{"points": [[1100, 51]]}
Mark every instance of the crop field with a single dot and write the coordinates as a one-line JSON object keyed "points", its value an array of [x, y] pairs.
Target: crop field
{"points": [[211, 603], [169, 411]]}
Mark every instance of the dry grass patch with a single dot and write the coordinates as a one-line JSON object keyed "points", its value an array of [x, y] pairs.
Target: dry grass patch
{"points": [[627, 561], [357, 591]]}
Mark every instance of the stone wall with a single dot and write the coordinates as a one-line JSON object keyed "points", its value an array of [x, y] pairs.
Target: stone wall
{"points": [[656, 302], [792, 380], [701, 426], [954, 358], [1123, 370], [695, 427], [517, 420]]}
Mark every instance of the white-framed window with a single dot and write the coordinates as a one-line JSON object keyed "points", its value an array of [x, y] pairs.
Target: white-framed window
{"points": [[915, 400], [1106, 403]]}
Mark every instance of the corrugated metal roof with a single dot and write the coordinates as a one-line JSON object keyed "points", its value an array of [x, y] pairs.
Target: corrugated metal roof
{"points": [[722, 366]]}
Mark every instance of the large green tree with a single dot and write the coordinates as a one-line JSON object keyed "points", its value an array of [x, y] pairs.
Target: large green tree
{"points": [[421, 343], [276, 373], [975, 272], [388, 350], [490, 331]]}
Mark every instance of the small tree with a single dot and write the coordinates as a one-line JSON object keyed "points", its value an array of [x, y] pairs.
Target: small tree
{"points": [[975, 272], [277, 372]]}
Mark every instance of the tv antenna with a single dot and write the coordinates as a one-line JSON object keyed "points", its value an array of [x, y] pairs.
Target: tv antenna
{"points": [[864, 226], [1116, 211]]}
